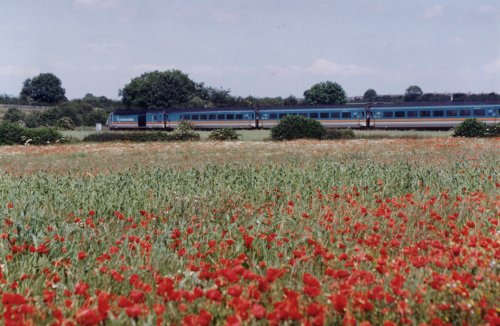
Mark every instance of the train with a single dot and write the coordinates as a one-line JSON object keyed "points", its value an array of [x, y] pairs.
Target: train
{"points": [[356, 116]]}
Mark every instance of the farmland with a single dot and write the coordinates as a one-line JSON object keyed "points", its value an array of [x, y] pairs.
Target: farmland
{"points": [[366, 231]]}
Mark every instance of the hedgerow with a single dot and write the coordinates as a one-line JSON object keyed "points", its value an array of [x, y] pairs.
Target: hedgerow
{"points": [[14, 134]]}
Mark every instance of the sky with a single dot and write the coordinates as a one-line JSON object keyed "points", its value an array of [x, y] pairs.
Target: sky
{"points": [[254, 47]]}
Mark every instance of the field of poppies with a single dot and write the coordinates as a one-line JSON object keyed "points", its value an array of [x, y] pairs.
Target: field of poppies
{"points": [[358, 232]]}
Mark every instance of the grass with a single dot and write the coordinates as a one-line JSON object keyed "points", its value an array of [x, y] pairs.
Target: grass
{"points": [[262, 135], [390, 230]]}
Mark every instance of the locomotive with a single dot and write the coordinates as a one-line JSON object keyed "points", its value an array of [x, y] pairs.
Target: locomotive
{"points": [[378, 115]]}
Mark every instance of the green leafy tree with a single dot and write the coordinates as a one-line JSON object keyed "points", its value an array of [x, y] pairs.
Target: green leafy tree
{"points": [[325, 93], [158, 90], [290, 101], [413, 94], [370, 95], [44, 89]]}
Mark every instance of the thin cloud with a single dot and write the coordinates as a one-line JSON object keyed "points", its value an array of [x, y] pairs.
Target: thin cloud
{"points": [[145, 67], [434, 12], [218, 71], [493, 67], [12, 70], [324, 67], [102, 4]]}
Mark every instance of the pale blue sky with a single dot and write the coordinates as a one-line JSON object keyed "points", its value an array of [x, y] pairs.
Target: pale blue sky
{"points": [[254, 47]]}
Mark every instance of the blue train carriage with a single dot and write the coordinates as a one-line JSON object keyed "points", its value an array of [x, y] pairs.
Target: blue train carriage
{"points": [[214, 118], [137, 119], [335, 116], [433, 116]]}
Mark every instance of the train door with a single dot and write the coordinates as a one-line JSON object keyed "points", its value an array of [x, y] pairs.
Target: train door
{"points": [[141, 119], [375, 116], [368, 116], [359, 116], [166, 121]]}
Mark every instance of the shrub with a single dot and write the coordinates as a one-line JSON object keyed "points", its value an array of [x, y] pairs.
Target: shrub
{"points": [[65, 123], [297, 127], [224, 134], [185, 131], [34, 119], [12, 134], [493, 130], [140, 136], [14, 115], [470, 128], [41, 136], [338, 134]]}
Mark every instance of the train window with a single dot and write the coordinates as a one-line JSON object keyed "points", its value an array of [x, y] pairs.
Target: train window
{"points": [[313, 115], [203, 117], [211, 117], [479, 112], [239, 117], [412, 114], [273, 116], [221, 117], [399, 114], [324, 115], [195, 117], [346, 115], [388, 114], [438, 113], [303, 114], [451, 113], [425, 113], [186, 117], [465, 113], [335, 115], [155, 118], [282, 115], [230, 117]]}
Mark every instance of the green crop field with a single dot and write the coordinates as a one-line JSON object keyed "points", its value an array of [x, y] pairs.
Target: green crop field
{"points": [[362, 231]]}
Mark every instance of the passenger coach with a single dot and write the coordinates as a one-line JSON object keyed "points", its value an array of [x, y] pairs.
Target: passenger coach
{"points": [[392, 116]]}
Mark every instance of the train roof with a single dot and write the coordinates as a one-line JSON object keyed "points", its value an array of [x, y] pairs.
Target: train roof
{"points": [[181, 110], [307, 107]]}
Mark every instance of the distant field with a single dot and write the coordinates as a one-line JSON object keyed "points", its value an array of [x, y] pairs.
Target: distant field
{"points": [[261, 135]]}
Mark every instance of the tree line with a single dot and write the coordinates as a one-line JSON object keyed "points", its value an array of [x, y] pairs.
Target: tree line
{"points": [[173, 88]]}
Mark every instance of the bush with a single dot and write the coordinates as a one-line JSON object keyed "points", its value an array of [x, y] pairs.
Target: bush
{"points": [[224, 134], [338, 134], [34, 120], [493, 130], [14, 134], [140, 136], [41, 136], [185, 131], [11, 133], [65, 123], [470, 128], [297, 127], [14, 115]]}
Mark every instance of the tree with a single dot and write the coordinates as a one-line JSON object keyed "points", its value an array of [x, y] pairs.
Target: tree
{"points": [[370, 95], [325, 93], [291, 101], [413, 94], [158, 90], [44, 88]]}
